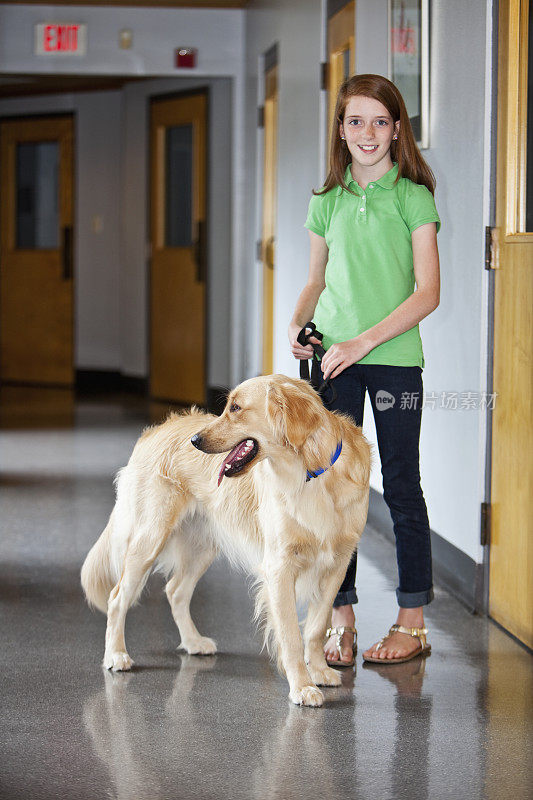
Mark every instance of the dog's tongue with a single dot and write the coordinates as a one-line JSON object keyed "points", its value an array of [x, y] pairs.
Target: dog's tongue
{"points": [[227, 460]]}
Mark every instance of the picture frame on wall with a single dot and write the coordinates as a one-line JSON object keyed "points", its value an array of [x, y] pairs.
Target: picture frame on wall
{"points": [[409, 61]]}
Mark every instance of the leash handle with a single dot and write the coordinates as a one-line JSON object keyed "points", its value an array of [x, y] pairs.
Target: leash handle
{"points": [[303, 339], [318, 352]]}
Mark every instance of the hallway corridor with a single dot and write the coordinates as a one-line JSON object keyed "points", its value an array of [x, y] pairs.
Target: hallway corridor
{"points": [[181, 727]]}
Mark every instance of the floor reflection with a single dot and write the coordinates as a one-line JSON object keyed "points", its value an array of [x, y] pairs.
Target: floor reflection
{"points": [[207, 747], [506, 705], [28, 407], [205, 750]]}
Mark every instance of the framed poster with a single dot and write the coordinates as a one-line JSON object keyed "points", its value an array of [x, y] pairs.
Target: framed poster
{"points": [[409, 61]]}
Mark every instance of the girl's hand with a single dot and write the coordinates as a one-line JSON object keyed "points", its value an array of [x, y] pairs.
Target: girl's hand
{"points": [[339, 356], [297, 350]]}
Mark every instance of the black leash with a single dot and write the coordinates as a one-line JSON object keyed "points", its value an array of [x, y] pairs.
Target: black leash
{"points": [[318, 353]]}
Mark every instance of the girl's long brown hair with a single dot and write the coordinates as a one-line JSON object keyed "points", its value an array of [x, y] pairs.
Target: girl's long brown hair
{"points": [[404, 149]]}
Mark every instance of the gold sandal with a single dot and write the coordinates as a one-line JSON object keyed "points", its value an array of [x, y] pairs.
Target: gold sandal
{"points": [[417, 633], [338, 633]]}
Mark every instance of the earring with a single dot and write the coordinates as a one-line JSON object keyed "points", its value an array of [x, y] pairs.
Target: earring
{"points": [[343, 138], [395, 136]]}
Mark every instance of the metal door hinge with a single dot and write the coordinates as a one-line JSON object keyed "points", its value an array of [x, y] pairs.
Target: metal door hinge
{"points": [[259, 250], [261, 117], [324, 75], [485, 523], [491, 248]]}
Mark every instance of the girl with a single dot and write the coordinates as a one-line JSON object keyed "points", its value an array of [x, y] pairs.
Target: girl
{"points": [[373, 231]]}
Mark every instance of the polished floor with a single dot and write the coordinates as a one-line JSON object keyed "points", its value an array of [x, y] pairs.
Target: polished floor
{"points": [[458, 725]]}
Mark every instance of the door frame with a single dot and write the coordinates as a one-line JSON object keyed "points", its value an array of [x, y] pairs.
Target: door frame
{"points": [[267, 60], [73, 117], [508, 219], [178, 95], [270, 81], [338, 42]]}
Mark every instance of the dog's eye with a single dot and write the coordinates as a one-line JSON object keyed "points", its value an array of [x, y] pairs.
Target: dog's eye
{"points": [[234, 407]]}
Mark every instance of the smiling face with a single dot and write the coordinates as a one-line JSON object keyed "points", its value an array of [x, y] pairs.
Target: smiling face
{"points": [[368, 129]]}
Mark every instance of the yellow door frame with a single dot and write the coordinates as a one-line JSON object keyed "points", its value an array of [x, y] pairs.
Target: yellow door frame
{"points": [[268, 232], [511, 535]]}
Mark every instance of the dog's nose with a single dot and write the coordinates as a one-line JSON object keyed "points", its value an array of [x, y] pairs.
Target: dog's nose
{"points": [[196, 440]]}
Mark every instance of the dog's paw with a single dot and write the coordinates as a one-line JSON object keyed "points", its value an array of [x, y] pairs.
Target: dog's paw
{"points": [[307, 696], [324, 676], [203, 646], [118, 662]]}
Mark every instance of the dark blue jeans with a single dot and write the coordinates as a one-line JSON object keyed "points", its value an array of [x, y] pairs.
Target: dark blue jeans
{"points": [[396, 394]]}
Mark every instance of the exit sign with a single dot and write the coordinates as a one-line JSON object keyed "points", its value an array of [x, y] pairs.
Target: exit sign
{"points": [[60, 39]]}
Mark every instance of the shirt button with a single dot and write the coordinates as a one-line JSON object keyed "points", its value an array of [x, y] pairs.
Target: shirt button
{"points": [[364, 197], [370, 185], [362, 209]]}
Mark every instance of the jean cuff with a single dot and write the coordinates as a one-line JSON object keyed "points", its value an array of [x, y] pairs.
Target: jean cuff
{"points": [[345, 598], [414, 599]]}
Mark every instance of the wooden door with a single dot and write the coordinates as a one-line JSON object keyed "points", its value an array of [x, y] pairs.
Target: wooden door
{"points": [[341, 52], [178, 244], [36, 253], [270, 165], [511, 546]]}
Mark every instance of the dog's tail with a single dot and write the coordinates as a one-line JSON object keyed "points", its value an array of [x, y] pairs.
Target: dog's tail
{"points": [[97, 574]]}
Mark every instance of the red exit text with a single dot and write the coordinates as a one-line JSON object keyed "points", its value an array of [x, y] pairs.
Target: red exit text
{"points": [[60, 39]]}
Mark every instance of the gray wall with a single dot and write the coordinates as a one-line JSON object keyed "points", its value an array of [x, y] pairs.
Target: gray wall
{"points": [[156, 33], [98, 246]]}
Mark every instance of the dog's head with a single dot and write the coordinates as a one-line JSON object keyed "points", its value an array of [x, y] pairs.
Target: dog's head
{"points": [[261, 415]]}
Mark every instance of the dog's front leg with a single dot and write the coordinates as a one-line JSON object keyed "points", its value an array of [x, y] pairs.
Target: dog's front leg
{"points": [[318, 617], [280, 583]]}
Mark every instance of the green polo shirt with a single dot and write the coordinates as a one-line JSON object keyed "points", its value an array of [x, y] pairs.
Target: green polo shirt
{"points": [[370, 271]]}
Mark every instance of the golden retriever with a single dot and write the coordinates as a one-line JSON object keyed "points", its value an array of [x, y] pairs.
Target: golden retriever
{"points": [[177, 507]]}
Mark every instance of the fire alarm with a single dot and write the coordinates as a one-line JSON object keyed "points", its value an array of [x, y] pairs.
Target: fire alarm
{"points": [[186, 57]]}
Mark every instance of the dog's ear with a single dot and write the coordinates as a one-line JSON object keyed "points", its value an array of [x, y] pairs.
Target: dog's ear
{"points": [[292, 414]]}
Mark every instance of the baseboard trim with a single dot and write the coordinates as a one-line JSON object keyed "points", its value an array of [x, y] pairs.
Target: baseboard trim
{"points": [[95, 381], [452, 569]]}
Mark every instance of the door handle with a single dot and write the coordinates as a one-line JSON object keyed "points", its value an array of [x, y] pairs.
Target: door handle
{"points": [[269, 252], [200, 252], [67, 253]]}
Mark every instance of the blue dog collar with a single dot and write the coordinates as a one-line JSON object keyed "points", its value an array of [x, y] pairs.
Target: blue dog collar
{"points": [[318, 472]]}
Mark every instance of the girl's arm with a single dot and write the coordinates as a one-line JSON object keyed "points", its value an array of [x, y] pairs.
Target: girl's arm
{"points": [[306, 303], [422, 302]]}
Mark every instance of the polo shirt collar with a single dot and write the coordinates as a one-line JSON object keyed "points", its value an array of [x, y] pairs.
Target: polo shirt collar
{"points": [[386, 181]]}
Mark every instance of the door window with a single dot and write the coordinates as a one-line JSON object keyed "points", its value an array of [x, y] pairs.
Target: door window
{"points": [[178, 186], [37, 212]]}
